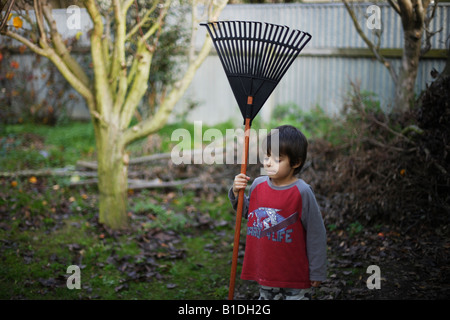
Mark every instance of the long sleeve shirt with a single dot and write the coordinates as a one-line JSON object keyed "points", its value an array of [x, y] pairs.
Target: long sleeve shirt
{"points": [[286, 236]]}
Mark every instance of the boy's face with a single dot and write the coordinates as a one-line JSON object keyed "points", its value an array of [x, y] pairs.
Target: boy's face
{"points": [[278, 168]]}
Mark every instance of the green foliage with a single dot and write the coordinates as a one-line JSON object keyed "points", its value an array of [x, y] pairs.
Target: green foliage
{"points": [[31, 146], [169, 57], [164, 137], [355, 228], [163, 218], [315, 123], [360, 103]]}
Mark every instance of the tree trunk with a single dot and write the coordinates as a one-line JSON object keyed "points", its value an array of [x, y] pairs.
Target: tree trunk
{"points": [[405, 94], [112, 177], [116, 88]]}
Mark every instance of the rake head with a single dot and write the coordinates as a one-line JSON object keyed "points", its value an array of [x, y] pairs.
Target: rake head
{"points": [[255, 56]]}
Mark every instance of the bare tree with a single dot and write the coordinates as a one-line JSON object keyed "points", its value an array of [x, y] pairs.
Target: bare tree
{"points": [[415, 20], [119, 82]]}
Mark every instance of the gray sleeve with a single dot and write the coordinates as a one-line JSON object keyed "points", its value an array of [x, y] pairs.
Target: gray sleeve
{"points": [[316, 238], [234, 202]]}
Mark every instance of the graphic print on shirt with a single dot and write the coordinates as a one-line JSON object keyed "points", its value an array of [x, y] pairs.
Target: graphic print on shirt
{"points": [[267, 222]]}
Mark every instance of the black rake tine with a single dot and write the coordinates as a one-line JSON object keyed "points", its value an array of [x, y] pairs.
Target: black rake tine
{"points": [[260, 49], [223, 44], [214, 35], [257, 47], [256, 51], [288, 53], [278, 56], [275, 53], [225, 48], [269, 28], [293, 53], [238, 31], [239, 46], [234, 50], [247, 48], [253, 45]]}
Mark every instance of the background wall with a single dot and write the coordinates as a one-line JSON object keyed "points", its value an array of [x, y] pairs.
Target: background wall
{"points": [[321, 75]]}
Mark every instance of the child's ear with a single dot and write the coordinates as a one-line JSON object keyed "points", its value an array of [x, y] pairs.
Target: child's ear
{"points": [[298, 164]]}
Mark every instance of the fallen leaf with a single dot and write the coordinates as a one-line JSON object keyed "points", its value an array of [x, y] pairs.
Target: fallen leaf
{"points": [[17, 22], [121, 287], [14, 64]]}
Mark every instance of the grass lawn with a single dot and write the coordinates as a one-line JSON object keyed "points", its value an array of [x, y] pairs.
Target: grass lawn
{"points": [[178, 246], [179, 241]]}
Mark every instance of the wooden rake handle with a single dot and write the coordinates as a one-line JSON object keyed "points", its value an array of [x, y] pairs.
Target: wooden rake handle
{"points": [[237, 228]]}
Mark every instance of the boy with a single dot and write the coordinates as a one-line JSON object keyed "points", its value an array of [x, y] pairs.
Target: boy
{"points": [[286, 238]]}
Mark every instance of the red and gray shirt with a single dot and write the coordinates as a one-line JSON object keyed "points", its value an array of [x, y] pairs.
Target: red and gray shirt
{"points": [[286, 237]]}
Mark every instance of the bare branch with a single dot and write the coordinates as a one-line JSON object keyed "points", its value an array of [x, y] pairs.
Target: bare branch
{"points": [[155, 123], [194, 27], [429, 34], [141, 21], [159, 22], [118, 74], [7, 11], [406, 13], [106, 43], [40, 21], [369, 43], [127, 5], [395, 6], [139, 85], [32, 46], [99, 65], [61, 48]]}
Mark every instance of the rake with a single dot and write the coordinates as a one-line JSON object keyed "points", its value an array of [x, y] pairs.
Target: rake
{"points": [[255, 56]]}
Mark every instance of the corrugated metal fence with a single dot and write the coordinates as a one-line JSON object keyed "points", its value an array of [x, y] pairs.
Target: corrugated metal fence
{"points": [[322, 73]]}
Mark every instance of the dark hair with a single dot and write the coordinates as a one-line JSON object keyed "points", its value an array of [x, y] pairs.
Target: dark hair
{"points": [[292, 143]]}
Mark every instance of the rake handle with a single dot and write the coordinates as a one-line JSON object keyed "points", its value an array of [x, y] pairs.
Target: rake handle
{"points": [[240, 206]]}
